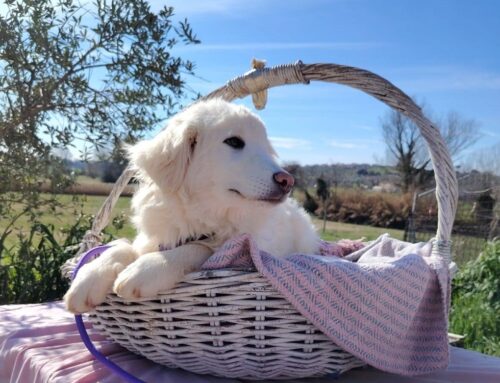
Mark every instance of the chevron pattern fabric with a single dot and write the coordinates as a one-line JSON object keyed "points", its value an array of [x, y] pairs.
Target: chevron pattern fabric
{"points": [[385, 303]]}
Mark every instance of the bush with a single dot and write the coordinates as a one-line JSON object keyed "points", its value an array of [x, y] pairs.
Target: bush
{"points": [[310, 205], [368, 208], [112, 171], [475, 308], [30, 271]]}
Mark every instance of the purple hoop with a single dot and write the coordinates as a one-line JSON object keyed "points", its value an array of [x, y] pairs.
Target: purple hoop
{"points": [[89, 255]]}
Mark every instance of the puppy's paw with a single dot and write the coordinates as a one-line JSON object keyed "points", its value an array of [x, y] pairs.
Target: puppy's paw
{"points": [[89, 289], [95, 279], [146, 277]]}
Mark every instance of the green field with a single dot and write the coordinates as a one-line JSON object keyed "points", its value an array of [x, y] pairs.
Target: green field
{"points": [[65, 216], [78, 204], [337, 230]]}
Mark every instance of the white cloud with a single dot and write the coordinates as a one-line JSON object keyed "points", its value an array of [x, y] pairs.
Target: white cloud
{"points": [[489, 133], [289, 143], [444, 78], [365, 127], [190, 7], [348, 144], [281, 46], [234, 8]]}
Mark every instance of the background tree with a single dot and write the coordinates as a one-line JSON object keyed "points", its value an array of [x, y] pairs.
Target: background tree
{"points": [[96, 73], [309, 205], [407, 149], [323, 193], [109, 161], [115, 164]]}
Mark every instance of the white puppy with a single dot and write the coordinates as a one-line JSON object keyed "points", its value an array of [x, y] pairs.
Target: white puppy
{"points": [[209, 176]]}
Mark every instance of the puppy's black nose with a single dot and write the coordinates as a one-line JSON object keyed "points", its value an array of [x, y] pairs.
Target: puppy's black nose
{"points": [[285, 180]]}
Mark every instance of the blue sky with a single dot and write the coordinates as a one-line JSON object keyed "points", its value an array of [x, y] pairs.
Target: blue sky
{"points": [[444, 53]]}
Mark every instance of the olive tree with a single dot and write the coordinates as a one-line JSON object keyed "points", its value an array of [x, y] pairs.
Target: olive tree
{"points": [[72, 72]]}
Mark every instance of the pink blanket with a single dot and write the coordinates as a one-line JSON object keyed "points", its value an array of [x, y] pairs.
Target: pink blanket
{"points": [[388, 308]]}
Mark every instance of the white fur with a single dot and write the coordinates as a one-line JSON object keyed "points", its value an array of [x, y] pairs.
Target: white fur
{"points": [[194, 184]]}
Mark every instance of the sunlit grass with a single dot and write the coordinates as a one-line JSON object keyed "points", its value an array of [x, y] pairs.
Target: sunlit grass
{"points": [[66, 215], [73, 205], [338, 230]]}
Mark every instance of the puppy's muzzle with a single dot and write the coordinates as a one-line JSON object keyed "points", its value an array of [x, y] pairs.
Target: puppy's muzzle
{"points": [[284, 180]]}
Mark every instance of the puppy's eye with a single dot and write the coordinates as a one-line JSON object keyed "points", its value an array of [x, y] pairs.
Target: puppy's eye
{"points": [[235, 142]]}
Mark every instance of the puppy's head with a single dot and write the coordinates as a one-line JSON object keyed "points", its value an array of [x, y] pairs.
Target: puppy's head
{"points": [[214, 150]]}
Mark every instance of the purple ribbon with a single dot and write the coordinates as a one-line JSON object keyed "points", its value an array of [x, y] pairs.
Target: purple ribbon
{"points": [[88, 256]]}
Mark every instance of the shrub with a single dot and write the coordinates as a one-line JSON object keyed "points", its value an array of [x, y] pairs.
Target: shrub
{"points": [[368, 208], [30, 270], [475, 308], [310, 205]]}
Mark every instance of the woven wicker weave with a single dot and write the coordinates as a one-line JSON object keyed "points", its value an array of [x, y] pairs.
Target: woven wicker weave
{"points": [[233, 323], [226, 323]]}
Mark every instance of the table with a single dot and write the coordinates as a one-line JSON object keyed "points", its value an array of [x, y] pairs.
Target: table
{"points": [[40, 343]]}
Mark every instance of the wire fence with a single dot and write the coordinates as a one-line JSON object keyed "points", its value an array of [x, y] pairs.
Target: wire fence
{"points": [[467, 240], [476, 220]]}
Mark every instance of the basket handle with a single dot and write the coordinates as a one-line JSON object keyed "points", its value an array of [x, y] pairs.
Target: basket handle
{"points": [[260, 79], [378, 87]]}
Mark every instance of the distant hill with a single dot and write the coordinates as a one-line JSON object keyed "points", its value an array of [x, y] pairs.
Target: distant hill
{"points": [[106, 171], [75, 164], [347, 175], [364, 176]]}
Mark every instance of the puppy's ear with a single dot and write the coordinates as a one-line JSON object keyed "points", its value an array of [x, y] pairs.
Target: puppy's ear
{"points": [[165, 158]]}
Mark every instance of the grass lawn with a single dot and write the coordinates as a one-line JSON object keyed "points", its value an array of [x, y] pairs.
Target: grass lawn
{"points": [[74, 205], [77, 204], [88, 180], [338, 230]]}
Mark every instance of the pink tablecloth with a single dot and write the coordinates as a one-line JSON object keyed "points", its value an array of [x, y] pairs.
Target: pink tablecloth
{"points": [[40, 343]]}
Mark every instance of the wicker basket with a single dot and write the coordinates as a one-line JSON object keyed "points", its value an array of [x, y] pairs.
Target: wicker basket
{"points": [[233, 323]]}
